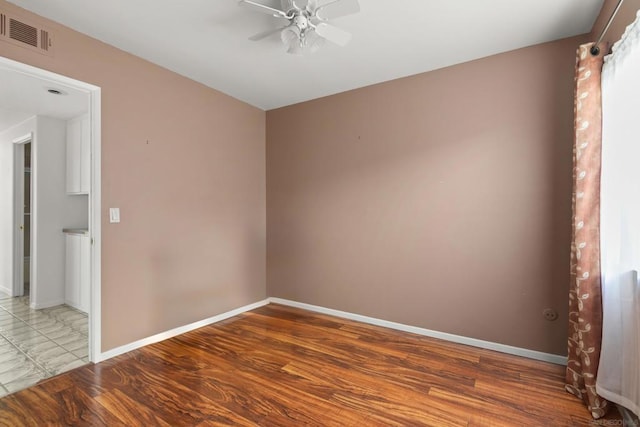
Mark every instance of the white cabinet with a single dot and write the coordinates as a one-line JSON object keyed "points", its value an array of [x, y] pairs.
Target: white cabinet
{"points": [[76, 286], [78, 155]]}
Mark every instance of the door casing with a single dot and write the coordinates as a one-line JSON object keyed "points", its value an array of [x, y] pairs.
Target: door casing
{"points": [[94, 94]]}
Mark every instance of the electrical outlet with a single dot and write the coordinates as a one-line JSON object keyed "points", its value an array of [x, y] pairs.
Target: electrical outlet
{"points": [[550, 314]]}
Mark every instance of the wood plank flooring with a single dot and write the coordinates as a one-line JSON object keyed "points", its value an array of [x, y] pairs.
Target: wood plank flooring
{"points": [[279, 366]]}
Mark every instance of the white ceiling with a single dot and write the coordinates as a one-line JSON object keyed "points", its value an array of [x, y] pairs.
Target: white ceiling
{"points": [[206, 40], [23, 96]]}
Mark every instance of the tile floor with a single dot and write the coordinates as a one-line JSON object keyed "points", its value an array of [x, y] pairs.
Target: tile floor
{"points": [[38, 344]]}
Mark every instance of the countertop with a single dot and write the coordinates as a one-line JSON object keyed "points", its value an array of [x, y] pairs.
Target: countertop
{"points": [[82, 231]]}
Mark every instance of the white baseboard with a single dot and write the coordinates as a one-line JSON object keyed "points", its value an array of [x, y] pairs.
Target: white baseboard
{"points": [[176, 331], [46, 304], [503, 348], [8, 291]]}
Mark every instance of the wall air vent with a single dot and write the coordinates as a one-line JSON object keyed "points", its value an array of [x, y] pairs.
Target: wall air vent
{"points": [[23, 33], [20, 32]]}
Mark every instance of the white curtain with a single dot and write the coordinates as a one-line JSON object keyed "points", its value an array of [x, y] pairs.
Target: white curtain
{"points": [[618, 377]]}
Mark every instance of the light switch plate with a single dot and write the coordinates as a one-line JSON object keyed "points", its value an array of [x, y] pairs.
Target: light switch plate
{"points": [[114, 215]]}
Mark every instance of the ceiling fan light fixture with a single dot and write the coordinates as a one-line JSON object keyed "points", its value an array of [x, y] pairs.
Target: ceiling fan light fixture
{"points": [[313, 41], [307, 29], [299, 41], [295, 48], [290, 34]]}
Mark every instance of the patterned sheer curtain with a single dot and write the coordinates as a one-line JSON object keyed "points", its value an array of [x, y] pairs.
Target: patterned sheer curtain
{"points": [[619, 373], [585, 297]]}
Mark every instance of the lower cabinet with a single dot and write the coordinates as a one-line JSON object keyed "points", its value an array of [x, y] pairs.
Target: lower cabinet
{"points": [[76, 286]]}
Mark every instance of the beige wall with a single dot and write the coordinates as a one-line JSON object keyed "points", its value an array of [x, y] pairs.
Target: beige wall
{"points": [[186, 166], [441, 200], [626, 15]]}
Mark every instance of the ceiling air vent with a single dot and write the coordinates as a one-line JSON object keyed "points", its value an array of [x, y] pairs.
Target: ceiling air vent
{"points": [[21, 32]]}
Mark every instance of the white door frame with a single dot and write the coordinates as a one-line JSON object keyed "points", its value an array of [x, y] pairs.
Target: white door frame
{"points": [[94, 93], [18, 215]]}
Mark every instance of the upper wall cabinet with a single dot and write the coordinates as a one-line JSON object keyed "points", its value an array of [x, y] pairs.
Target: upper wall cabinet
{"points": [[78, 157]]}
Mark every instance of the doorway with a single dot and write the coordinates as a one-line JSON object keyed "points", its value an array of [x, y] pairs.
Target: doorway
{"points": [[23, 217], [28, 216], [40, 334], [22, 207]]}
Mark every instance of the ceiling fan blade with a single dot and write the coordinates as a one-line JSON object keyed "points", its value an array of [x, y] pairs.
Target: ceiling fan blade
{"points": [[265, 34], [333, 34], [263, 8], [337, 8]]}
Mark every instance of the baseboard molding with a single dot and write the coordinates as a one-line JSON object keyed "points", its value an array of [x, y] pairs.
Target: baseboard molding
{"points": [[517, 351], [46, 304], [176, 331], [8, 291], [503, 348]]}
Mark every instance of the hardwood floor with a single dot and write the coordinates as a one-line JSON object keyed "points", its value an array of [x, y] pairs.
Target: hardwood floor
{"points": [[282, 366]]}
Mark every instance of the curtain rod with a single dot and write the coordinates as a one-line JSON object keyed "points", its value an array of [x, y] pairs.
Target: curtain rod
{"points": [[595, 50]]}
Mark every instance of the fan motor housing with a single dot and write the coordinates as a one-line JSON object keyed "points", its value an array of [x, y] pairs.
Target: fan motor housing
{"points": [[301, 22]]}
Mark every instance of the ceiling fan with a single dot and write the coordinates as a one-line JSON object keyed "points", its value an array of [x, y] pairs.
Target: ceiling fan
{"points": [[307, 27]]}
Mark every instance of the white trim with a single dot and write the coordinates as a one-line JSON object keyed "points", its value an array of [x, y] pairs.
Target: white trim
{"points": [[95, 313], [51, 77], [46, 304], [517, 351], [34, 241], [95, 194], [177, 331], [24, 138], [503, 348]]}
